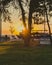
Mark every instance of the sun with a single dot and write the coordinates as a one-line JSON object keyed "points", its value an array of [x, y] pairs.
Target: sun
{"points": [[20, 28]]}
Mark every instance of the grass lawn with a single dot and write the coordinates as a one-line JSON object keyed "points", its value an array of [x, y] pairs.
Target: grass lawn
{"points": [[14, 55]]}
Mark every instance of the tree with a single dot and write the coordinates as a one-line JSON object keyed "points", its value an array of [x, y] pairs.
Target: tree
{"points": [[47, 18], [4, 13], [24, 21], [23, 12], [34, 6]]}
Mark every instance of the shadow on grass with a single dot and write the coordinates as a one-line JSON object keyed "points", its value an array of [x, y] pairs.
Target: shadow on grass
{"points": [[16, 55]]}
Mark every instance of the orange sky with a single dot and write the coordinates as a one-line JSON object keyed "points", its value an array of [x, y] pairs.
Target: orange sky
{"points": [[18, 28], [18, 24]]}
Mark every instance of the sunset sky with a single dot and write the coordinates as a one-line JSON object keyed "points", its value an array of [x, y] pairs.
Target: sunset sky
{"points": [[17, 24]]}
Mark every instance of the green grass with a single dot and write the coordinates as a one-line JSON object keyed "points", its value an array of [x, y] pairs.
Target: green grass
{"points": [[14, 55]]}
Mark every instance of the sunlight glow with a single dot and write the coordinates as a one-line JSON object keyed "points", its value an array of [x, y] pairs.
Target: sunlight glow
{"points": [[20, 28]]}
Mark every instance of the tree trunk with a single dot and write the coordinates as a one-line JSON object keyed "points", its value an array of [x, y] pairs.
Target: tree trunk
{"points": [[23, 13], [48, 21], [29, 27], [25, 37], [49, 28], [28, 37]]}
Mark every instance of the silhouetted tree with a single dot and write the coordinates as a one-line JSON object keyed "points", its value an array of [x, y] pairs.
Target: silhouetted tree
{"points": [[4, 13], [34, 6], [23, 12], [24, 21], [45, 5]]}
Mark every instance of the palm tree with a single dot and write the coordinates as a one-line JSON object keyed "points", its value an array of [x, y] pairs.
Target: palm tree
{"points": [[4, 13]]}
